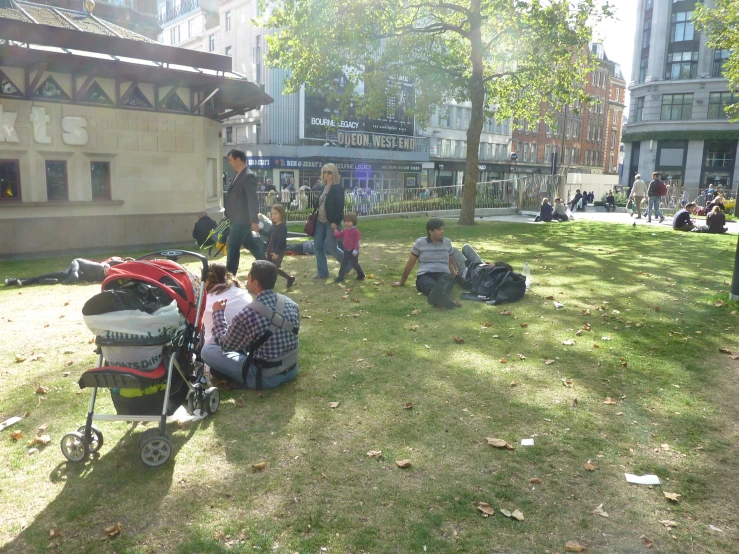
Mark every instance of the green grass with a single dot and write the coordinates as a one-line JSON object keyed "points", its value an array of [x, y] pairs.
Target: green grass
{"points": [[320, 490]]}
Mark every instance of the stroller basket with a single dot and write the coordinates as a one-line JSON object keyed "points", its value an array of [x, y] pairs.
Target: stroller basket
{"points": [[113, 377], [148, 341]]}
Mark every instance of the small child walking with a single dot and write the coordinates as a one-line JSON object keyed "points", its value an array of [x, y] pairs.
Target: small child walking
{"points": [[278, 242], [351, 236]]}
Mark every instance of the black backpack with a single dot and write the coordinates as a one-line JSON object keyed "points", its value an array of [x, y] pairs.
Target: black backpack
{"points": [[497, 282]]}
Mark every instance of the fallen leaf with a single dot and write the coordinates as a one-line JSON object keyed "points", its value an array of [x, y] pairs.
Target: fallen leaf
{"points": [[42, 390], [408, 405], [503, 361], [548, 362], [374, 454], [514, 383], [260, 466], [668, 523], [524, 324], [567, 383], [497, 443], [517, 515], [574, 546], [42, 428], [416, 312], [333, 404], [673, 496], [699, 332], [609, 401], [427, 347], [485, 508], [403, 463], [724, 351], [54, 533], [40, 439], [590, 466], [574, 402], [458, 340], [521, 356], [505, 512], [66, 303], [638, 324], [646, 542], [664, 446], [535, 481], [240, 402], [578, 332], [19, 358], [625, 364], [550, 297], [719, 303], [585, 312], [413, 328], [113, 530], [16, 435], [568, 342], [487, 324], [596, 346], [390, 354], [505, 312], [599, 511]]}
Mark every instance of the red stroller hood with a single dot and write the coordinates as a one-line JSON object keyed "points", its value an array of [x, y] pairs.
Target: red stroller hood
{"points": [[179, 284]]}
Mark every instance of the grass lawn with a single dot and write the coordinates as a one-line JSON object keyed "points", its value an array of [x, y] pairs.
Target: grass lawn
{"points": [[645, 299]]}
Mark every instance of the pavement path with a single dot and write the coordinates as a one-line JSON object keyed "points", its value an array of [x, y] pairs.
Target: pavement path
{"points": [[605, 217]]}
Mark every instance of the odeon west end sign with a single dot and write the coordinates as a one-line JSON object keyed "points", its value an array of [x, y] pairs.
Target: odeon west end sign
{"points": [[74, 129]]}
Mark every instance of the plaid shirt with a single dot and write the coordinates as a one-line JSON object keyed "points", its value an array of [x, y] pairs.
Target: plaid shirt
{"points": [[247, 326]]}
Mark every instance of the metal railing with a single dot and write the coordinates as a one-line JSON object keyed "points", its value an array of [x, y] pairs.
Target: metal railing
{"points": [[534, 188], [185, 7], [678, 196], [299, 205]]}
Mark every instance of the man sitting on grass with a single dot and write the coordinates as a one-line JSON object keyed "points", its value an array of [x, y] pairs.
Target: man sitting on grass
{"points": [[245, 348], [79, 270], [682, 221]]}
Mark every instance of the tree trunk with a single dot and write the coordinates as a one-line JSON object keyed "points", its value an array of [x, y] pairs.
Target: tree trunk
{"points": [[477, 97]]}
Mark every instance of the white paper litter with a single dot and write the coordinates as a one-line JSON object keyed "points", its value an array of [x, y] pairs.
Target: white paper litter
{"points": [[558, 305], [714, 528], [8, 422], [642, 479], [527, 442], [181, 416]]}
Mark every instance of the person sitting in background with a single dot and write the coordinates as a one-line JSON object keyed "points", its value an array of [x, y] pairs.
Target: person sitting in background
{"points": [[610, 202], [718, 201], [576, 202], [545, 212], [79, 270], [715, 221], [682, 221], [203, 227], [560, 210]]}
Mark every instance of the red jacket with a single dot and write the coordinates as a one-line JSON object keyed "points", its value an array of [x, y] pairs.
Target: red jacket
{"points": [[351, 238]]}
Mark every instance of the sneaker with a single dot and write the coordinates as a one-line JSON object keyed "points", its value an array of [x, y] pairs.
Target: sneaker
{"points": [[339, 280], [661, 219], [290, 281], [9, 282]]}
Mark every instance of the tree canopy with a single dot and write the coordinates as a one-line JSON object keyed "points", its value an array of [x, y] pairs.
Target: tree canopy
{"points": [[503, 56], [721, 22]]}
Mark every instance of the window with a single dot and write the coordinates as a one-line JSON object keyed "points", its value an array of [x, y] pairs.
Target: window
{"points": [[568, 128], [100, 173], [682, 28], [646, 33], [640, 109], [257, 58], [566, 159], [643, 64], [720, 57], [590, 132], [191, 28], [682, 65], [676, 106], [587, 157], [526, 152], [174, 35], [56, 180], [720, 153], [457, 117], [10, 181], [228, 21], [717, 103], [533, 152], [467, 117], [228, 50], [229, 135], [613, 139], [444, 116], [211, 43], [547, 153], [519, 149], [618, 93], [576, 130]]}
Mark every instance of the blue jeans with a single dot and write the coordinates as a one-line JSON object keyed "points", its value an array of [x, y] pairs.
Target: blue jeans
{"points": [[241, 235], [326, 243], [653, 204], [229, 365]]}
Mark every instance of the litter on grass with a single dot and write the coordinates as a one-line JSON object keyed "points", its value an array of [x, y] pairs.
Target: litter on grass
{"points": [[8, 422], [181, 416], [642, 479], [527, 442]]}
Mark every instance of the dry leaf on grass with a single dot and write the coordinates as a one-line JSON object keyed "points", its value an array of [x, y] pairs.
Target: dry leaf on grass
{"points": [[668, 523], [487, 323], [521, 356], [567, 383], [333, 404], [646, 542], [113, 530], [625, 364], [42, 428], [535, 481], [609, 401], [458, 340], [673, 496], [514, 383], [40, 439], [524, 324], [596, 346], [550, 297], [374, 454], [505, 512], [578, 332], [16, 435], [19, 358], [505, 312], [574, 402], [416, 312], [413, 328], [54, 533], [568, 342], [403, 463], [427, 347], [500, 443], [574, 546], [408, 405], [590, 466], [548, 362], [664, 446], [42, 390], [485, 508], [599, 511], [724, 350], [719, 303], [503, 361], [240, 402], [260, 466]]}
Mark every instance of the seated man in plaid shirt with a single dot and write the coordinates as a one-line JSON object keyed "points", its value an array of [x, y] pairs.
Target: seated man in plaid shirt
{"points": [[241, 349]]}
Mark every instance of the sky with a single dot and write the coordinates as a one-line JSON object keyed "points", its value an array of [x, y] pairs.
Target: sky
{"points": [[618, 35]]}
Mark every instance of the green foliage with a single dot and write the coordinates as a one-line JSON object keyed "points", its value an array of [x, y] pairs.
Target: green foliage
{"points": [[721, 23]]}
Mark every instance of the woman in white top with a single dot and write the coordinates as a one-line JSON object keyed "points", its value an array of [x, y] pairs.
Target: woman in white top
{"points": [[220, 284]]}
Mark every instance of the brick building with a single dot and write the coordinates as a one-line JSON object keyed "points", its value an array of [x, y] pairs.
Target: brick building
{"points": [[583, 139]]}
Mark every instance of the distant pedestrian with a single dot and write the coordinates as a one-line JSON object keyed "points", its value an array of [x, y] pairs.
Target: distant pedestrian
{"points": [[638, 192], [278, 242], [330, 205], [241, 209], [351, 237], [655, 193]]}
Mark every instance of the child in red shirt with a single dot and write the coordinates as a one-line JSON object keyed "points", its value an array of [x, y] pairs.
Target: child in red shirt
{"points": [[351, 236]]}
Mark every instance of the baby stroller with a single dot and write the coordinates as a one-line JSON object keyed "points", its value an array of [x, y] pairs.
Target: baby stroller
{"points": [[147, 321]]}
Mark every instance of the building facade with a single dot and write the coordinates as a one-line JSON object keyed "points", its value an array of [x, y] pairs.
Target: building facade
{"points": [[139, 16], [677, 125], [583, 138], [104, 143]]}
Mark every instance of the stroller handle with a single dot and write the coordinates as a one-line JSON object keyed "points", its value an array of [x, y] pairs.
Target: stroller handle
{"points": [[175, 255]]}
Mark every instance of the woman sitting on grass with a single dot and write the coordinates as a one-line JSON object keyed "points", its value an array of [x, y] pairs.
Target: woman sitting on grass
{"points": [[436, 268], [545, 212], [560, 210]]}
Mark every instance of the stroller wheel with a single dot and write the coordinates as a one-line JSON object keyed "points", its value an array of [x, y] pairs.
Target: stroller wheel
{"points": [[155, 451], [96, 437], [75, 447], [212, 400], [194, 401], [153, 432]]}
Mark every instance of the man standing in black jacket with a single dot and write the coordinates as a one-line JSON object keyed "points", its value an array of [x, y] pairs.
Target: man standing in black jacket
{"points": [[241, 209]]}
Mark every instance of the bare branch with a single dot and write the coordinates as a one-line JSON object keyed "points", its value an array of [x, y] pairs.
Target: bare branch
{"points": [[442, 5]]}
